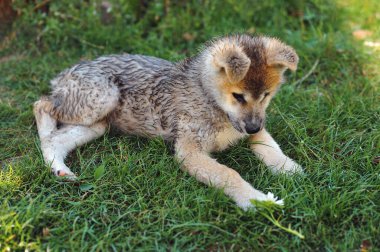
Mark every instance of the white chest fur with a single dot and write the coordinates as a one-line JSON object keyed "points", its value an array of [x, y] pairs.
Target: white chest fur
{"points": [[227, 137]]}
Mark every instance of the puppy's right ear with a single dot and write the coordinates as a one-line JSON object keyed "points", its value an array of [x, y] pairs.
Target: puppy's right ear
{"points": [[280, 54], [231, 61]]}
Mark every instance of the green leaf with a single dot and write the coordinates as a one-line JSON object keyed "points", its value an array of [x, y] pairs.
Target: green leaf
{"points": [[74, 203], [267, 208], [268, 205], [99, 171], [86, 187]]}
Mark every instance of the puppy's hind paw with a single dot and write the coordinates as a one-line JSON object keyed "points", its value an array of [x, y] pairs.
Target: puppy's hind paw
{"points": [[65, 174], [40, 105]]}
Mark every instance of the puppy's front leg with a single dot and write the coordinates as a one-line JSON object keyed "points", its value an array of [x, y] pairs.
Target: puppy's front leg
{"points": [[264, 146], [208, 171]]}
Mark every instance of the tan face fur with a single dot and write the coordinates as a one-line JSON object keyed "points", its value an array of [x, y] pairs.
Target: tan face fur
{"points": [[247, 74]]}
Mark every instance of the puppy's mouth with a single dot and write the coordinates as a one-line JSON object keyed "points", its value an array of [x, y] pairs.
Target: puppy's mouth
{"points": [[235, 124]]}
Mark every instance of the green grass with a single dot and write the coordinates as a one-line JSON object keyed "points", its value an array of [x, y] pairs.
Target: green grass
{"points": [[133, 195]]}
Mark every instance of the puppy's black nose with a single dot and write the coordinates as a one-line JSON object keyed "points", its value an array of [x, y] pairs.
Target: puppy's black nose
{"points": [[252, 128]]}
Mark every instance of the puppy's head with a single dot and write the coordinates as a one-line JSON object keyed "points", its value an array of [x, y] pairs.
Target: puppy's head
{"points": [[243, 73]]}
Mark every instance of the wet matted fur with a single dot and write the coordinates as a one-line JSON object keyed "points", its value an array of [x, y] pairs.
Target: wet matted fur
{"points": [[202, 104]]}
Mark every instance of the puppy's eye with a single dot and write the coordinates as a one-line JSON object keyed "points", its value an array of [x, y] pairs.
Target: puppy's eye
{"points": [[265, 95], [239, 98]]}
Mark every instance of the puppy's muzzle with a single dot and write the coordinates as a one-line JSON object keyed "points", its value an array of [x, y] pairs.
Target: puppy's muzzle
{"points": [[252, 128], [253, 125]]}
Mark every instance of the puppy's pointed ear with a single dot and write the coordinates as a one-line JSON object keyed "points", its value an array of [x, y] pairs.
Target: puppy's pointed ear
{"points": [[280, 54], [232, 61]]}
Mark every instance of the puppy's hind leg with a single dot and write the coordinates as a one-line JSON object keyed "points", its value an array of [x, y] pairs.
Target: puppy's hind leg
{"points": [[82, 105], [57, 145], [46, 124]]}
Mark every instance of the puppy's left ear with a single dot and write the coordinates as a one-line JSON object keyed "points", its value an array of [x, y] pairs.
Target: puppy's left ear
{"points": [[232, 61], [280, 54]]}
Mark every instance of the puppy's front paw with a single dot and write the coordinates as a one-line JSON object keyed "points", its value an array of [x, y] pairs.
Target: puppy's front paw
{"points": [[244, 199], [291, 167], [287, 166], [270, 197]]}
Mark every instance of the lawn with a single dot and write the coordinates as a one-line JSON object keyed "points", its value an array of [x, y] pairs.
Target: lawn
{"points": [[132, 194]]}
